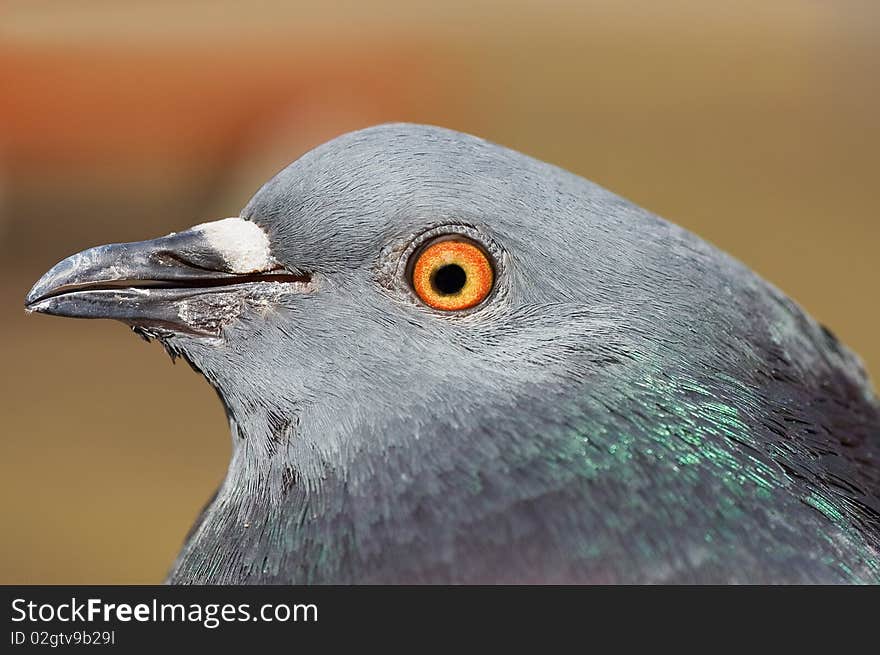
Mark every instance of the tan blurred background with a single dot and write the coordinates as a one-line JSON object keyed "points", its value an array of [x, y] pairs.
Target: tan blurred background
{"points": [[754, 123]]}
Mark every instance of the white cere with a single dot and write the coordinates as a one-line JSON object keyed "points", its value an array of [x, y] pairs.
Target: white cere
{"points": [[244, 245]]}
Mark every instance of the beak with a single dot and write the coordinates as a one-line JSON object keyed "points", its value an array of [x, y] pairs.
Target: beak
{"points": [[192, 281]]}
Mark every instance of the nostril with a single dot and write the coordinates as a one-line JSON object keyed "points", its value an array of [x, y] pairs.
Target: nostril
{"points": [[202, 261]]}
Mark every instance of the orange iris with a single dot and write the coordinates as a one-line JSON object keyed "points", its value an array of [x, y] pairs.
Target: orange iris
{"points": [[452, 275]]}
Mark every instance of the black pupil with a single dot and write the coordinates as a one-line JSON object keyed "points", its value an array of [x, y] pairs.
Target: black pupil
{"points": [[449, 279]]}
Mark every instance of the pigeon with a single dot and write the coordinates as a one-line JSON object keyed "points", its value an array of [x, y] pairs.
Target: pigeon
{"points": [[445, 362]]}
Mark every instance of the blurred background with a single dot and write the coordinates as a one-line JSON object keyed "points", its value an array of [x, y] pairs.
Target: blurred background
{"points": [[755, 124]]}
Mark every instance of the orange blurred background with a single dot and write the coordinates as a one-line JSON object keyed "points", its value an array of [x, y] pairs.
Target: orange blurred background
{"points": [[754, 124]]}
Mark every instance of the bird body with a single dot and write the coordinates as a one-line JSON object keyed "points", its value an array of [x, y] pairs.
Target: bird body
{"points": [[627, 404]]}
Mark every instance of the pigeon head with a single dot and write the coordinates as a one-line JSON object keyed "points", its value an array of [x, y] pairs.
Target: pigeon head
{"points": [[443, 360], [305, 314]]}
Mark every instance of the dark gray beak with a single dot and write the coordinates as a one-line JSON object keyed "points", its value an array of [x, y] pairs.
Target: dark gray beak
{"points": [[184, 282]]}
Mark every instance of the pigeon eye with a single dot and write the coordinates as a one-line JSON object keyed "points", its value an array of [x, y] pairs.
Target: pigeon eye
{"points": [[452, 273]]}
